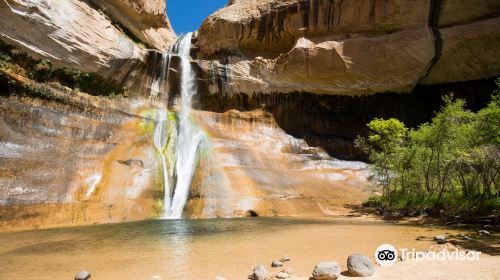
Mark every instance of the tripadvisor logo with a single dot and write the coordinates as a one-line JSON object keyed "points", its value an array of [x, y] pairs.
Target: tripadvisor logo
{"points": [[387, 255]]}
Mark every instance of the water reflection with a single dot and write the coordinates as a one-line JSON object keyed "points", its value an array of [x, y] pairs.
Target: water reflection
{"points": [[178, 249]]}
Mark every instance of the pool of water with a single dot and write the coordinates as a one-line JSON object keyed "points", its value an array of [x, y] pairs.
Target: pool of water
{"points": [[194, 249]]}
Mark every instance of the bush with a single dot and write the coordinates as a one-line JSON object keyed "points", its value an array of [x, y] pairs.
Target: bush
{"points": [[86, 82], [451, 163], [41, 70]]}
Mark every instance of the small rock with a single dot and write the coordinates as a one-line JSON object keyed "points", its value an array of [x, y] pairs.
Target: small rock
{"points": [[82, 275], [441, 239], [360, 265], [156, 277], [484, 232], [258, 273], [219, 278], [285, 259], [487, 226], [277, 263], [326, 271], [466, 238], [282, 275], [420, 238]]}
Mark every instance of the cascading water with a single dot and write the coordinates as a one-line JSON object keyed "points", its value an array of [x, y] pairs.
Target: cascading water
{"points": [[159, 77], [160, 140], [189, 137], [161, 124]]}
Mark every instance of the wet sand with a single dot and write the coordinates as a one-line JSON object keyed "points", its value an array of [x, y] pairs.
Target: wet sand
{"points": [[203, 249]]}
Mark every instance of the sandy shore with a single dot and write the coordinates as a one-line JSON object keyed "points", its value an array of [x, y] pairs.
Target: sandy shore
{"points": [[204, 249], [488, 267]]}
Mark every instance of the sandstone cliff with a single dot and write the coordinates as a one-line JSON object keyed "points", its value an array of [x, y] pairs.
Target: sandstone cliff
{"points": [[146, 19], [349, 47], [93, 36], [68, 157]]}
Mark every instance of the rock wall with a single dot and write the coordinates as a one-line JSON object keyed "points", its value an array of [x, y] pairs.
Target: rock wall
{"points": [[69, 158], [254, 168], [308, 65], [145, 19], [349, 47], [93, 36], [333, 122]]}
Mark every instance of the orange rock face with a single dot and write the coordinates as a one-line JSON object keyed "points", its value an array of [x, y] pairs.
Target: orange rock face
{"points": [[93, 36], [252, 167], [69, 158], [350, 47]]}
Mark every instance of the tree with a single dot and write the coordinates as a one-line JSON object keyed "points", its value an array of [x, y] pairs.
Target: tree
{"points": [[451, 163], [384, 140]]}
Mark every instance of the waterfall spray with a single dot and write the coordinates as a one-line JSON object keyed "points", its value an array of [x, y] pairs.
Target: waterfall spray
{"points": [[190, 136], [159, 78], [160, 130], [160, 140]]}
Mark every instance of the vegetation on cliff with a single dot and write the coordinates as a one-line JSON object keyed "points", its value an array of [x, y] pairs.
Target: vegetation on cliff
{"points": [[16, 61], [450, 164]]}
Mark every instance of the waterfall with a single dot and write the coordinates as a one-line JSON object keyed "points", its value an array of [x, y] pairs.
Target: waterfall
{"points": [[189, 137], [160, 128], [159, 78], [160, 140]]}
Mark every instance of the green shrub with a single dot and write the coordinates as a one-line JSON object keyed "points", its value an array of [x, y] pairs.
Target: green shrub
{"points": [[41, 70], [451, 163], [87, 82]]}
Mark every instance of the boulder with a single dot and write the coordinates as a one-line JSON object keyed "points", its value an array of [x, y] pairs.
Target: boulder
{"points": [[82, 275], [276, 263], [282, 275], [360, 265], [258, 273], [326, 271], [285, 259], [441, 239]]}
